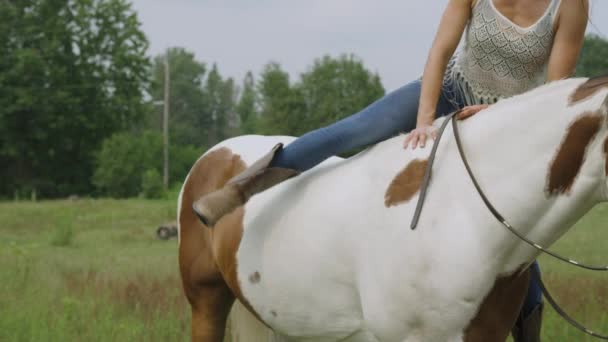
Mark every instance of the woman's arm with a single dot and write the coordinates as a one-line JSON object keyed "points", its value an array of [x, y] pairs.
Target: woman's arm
{"points": [[453, 22], [568, 41]]}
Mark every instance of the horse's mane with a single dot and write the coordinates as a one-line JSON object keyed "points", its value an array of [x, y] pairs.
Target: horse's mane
{"points": [[590, 87], [598, 81]]}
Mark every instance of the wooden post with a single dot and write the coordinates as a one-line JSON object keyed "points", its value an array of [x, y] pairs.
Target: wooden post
{"points": [[166, 126]]}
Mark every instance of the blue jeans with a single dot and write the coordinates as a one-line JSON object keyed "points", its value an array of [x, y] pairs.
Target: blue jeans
{"points": [[394, 113], [383, 119]]}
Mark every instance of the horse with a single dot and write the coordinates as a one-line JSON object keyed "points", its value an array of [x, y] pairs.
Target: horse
{"points": [[329, 255]]}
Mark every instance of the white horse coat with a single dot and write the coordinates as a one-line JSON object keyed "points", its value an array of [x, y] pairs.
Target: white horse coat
{"points": [[329, 255]]}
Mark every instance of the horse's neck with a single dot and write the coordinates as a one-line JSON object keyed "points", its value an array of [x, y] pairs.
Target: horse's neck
{"points": [[511, 148]]}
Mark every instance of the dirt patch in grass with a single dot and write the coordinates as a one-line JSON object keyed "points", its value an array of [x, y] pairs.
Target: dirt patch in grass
{"points": [[143, 294], [577, 294]]}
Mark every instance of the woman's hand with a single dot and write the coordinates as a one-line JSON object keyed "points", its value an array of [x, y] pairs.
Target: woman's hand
{"points": [[469, 111], [418, 136]]}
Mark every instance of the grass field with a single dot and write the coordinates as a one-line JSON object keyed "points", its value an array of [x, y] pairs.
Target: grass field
{"points": [[93, 270]]}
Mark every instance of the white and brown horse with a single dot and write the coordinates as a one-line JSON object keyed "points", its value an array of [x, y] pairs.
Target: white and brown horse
{"points": [[329, 256]]}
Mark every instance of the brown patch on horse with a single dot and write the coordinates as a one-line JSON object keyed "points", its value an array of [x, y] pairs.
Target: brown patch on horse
{"points": [[207, 292], [406, 184], [571, 154], [588, 89], [227, 234], [499, 310], [208, 174]]}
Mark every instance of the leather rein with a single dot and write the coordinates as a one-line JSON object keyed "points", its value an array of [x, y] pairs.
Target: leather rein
{"points": [[500, 218]]}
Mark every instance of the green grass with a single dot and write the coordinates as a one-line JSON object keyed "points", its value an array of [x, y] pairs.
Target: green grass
{"points": [[93, 270], [90, 270]]}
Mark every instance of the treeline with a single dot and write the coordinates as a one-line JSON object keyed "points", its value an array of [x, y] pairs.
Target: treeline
{"points": [[81, 102], [72, 73], [206, 108]]}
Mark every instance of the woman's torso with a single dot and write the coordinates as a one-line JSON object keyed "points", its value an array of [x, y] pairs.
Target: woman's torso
{"points": [[500, 58]]}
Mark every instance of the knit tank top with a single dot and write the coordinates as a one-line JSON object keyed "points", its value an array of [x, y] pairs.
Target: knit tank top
{"points": [[498, 58]]}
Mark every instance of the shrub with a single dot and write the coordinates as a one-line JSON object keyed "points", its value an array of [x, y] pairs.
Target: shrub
{"points": [[122, 161], [152, 184], [181, 159], [124, 158]]}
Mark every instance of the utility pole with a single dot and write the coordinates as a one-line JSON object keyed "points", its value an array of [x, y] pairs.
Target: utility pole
{"points": [[166, 126]]}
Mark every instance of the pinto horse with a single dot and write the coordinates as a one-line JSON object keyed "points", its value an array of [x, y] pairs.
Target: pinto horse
{"points": [[329, 255]]}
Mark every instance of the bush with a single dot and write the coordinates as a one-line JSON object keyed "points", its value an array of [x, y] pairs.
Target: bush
{"points": [[122, 161], [181, 159], [152, 184], [124, 158], [173, 192]]}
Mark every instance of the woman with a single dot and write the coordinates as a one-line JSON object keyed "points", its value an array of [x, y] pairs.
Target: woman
{"points": [[510, 46]]}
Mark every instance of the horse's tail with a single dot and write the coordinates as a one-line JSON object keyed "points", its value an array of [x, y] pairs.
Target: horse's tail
{"points": [[244, 327]]}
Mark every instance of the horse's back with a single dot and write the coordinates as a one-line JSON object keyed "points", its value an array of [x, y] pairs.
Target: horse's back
{"points": [[252, 147]]}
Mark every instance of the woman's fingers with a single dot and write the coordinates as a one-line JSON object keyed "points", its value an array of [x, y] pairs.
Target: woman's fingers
{"points": [[434, 134], [419, 136], [469, 111], [421, 140], [414, 140], [408, 139], [464, 113]]}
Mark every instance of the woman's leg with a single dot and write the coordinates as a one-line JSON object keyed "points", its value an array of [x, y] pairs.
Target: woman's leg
{"points": [[390, 115], [528, 325], [535, 293]]}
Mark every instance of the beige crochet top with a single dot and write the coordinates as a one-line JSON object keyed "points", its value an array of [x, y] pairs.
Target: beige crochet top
{"points": [[499, 58]]}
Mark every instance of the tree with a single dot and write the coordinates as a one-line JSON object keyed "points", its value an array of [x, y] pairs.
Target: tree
{"points": [[330, 90], [593, 60], [335, 88], [188, 121], [229, 101], [72, 73], [219, 95], [246, 107], [281, 106]]}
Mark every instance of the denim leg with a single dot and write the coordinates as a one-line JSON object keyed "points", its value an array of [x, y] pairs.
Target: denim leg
{"points": [[394, 113], [535, 294]]}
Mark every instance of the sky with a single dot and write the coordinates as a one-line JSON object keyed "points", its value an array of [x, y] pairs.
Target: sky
{"points": [[392, 37]]}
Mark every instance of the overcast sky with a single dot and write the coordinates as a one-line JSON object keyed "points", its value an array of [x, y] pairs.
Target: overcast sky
{"points": [[392, 37]]}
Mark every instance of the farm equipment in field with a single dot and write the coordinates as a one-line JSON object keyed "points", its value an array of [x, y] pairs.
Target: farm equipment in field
{"points": [[167, 230]]}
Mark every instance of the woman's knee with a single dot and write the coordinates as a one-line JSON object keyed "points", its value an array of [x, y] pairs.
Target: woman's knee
{"points": [[396, 112]]}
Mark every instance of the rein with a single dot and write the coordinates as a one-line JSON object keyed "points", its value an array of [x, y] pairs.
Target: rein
{"points": [[501, 219]]}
